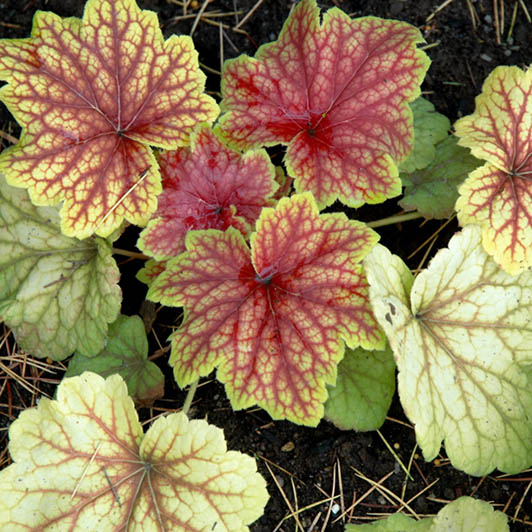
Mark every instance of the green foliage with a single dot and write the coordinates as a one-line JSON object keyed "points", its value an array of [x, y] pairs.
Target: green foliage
{"points": [[462, 515], [433, 189], [125, 353], [364, 389], [430, 128], [57, 293]]}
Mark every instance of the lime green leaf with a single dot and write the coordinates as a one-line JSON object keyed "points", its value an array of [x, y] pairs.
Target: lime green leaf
{"points": [[498, 196], [58, 294], [82, 462], [470, 515], [429, 129], [433, 191], [461, 341], [462, 515], [92, 96], [364, 390], [125, 353]]}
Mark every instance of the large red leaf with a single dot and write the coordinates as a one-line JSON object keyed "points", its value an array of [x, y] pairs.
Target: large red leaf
{"points": [[207, 186], [337, 94], [91, 95], [272, 319]]}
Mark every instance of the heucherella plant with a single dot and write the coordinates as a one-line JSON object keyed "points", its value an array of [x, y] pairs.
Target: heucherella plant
{"points": [[125, 353], [436, 167], [298, 311], [82, 461], [207, 186], [92, 96], [57, 293], [498, 196]]}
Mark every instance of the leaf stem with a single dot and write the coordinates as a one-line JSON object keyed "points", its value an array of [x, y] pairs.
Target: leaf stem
{"points": [[395, 219], [127, 253], [190, 397]]}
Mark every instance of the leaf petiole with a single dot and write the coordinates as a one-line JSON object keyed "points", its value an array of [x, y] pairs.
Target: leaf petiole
{"points": [[127, 253], [395, 219], [190, 396]]}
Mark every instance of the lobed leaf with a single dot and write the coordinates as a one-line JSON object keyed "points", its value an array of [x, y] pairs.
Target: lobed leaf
{"points": [[125, 353], [207, 186], [91, 96], [498, 196], [364, 390], [433, 190], [272, 319], [337, 94], [58, 294], [82, 462], [462, 341]]}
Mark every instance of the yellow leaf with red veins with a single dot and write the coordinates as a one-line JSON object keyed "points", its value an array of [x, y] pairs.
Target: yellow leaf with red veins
{"points": [[498, 196], [92, 96], [82, 462], [461, 336]]}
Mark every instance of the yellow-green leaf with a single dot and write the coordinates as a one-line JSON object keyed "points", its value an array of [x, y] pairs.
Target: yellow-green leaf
{"points": [[82, 462], [462, 341], [462, 515], [58, 294]]}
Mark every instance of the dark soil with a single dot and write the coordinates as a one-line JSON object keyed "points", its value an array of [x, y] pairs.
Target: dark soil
{"points": [[311, 465]]}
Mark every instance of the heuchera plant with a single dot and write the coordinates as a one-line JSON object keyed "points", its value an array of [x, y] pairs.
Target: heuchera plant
{"points": [[300, 312]]}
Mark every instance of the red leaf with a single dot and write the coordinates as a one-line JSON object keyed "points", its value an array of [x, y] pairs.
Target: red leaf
{"points": [[337, 94], [91, 95], [272, 319], [207, 186]]}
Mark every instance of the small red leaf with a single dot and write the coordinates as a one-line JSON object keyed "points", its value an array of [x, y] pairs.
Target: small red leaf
{"points": [[207, 186], [272, 320], [337, 94], [92, 95]]}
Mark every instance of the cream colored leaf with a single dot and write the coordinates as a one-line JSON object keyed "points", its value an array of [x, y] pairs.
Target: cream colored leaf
{"points": [[82, 462], [462, 341]]}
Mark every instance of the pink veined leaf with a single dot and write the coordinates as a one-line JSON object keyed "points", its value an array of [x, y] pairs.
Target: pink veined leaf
{"points": [[207, 186], [92, 95], [498, 196], [83, 462], [272, 319], [337, 94]]}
